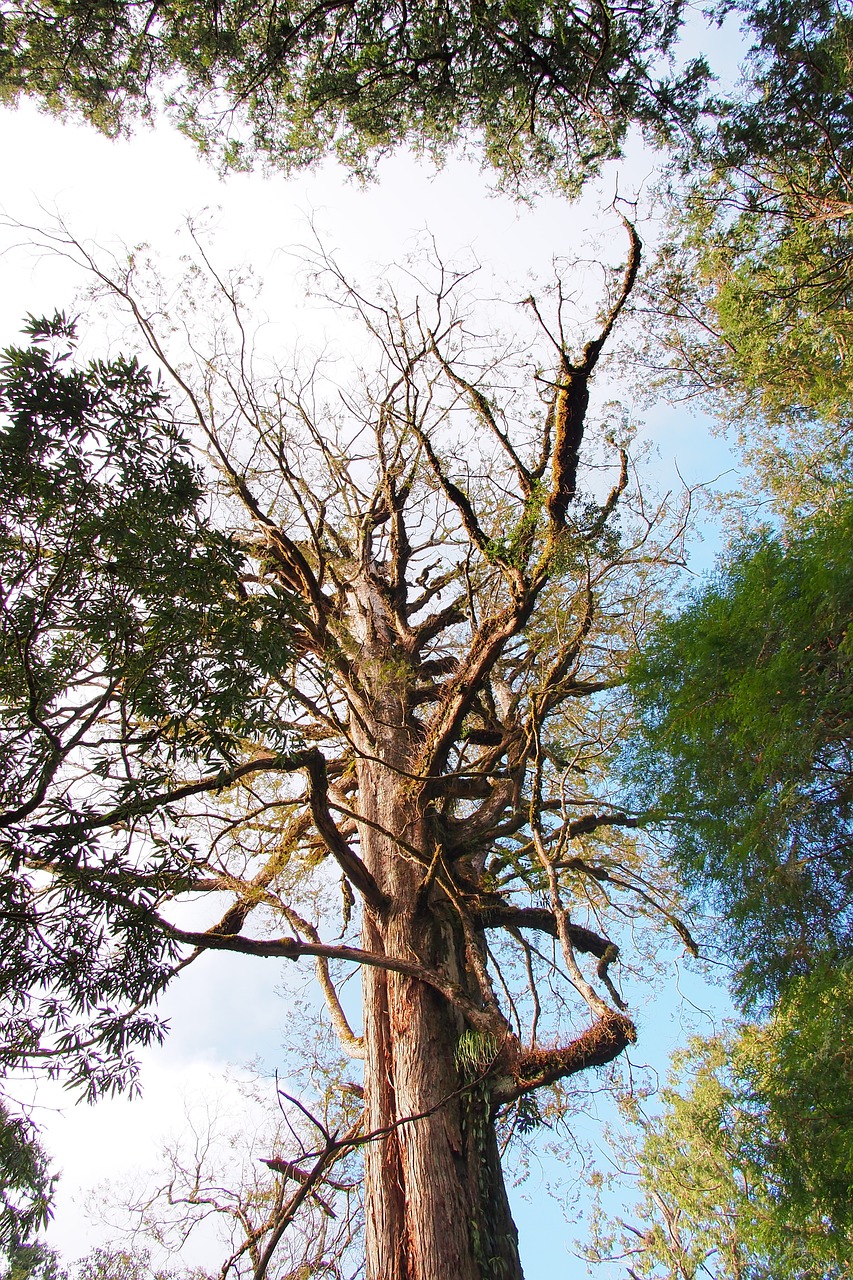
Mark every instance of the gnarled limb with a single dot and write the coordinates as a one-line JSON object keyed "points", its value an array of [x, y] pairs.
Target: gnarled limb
{"points": [[571, 397], [609, 1035], [506, 916]]}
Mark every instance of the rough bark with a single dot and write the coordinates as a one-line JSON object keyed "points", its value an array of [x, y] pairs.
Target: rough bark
{"points": [[436, 1202], [436, 1205]]}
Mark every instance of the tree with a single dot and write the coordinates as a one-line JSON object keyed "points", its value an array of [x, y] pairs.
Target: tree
{"points": [[26, 1184], [744, 748], [250, 1170], [755, 279], [125, 1264], [782, 145], [33, 1262], [546, 86], [434, 718], [747, 1173], [128, 650]]}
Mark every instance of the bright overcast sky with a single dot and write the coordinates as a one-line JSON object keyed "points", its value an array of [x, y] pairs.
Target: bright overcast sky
{"points": [[225, 1010]]}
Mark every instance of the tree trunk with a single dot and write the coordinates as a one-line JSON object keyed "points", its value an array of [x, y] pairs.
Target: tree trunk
{"points": [[436, 1205]]}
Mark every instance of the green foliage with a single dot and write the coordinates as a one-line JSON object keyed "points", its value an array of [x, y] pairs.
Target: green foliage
{"points": [[514, 547], [107, 561], [130, 655], [475, 1053], [33, 1262], [26, 1185], [772, 291], [125, 1264], [551, 86], [748, 1172], [745, 705], [780, 296], [800, 1068], [793, 105], [756, 280]]}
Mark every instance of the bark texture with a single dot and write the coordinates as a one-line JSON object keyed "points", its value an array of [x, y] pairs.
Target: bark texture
{"points": [[431, 1210], [436, 1202]]}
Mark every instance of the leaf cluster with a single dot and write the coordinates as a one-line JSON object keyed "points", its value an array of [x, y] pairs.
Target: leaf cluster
{"points": [[745, 706], [551, 87], [129, 649], [793, 105], [26, 1183]]}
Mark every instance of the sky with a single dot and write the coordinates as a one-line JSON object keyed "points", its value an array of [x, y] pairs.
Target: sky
{"points": [[113, 194]]}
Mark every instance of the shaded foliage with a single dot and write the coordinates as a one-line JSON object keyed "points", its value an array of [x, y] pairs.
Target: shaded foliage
{"points": [[128, 650], [550, 86], [34, 1262], [745, 703], [26, 1183], [792, 107]]}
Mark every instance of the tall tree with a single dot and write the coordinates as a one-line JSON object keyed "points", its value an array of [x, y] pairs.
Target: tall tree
{"points": [[746, 1173], [755, 279], [552, 87], [428, 636]]}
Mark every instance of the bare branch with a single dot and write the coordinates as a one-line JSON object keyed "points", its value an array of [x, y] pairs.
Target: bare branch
{"points": [[571, 397]]}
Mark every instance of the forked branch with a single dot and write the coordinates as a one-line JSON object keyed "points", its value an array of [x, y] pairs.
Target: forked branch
{"points": [[571, 398]]}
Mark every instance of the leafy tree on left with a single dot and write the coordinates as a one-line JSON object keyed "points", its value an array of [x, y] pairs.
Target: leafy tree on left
{"points": [[26, 1185], [130, 654]]}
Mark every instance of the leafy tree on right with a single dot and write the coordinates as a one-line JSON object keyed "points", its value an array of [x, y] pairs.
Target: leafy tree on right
{"points": [[746, 1174], [744, 749], [743, 756], [744, 699], [754, 281]]}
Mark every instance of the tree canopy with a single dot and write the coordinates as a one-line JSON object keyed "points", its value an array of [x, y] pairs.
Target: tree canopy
{"points": [[785, 134], [128, 652], [548, 87], [548, 90], [744, 742], [754, 282], [746, 1173]]}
